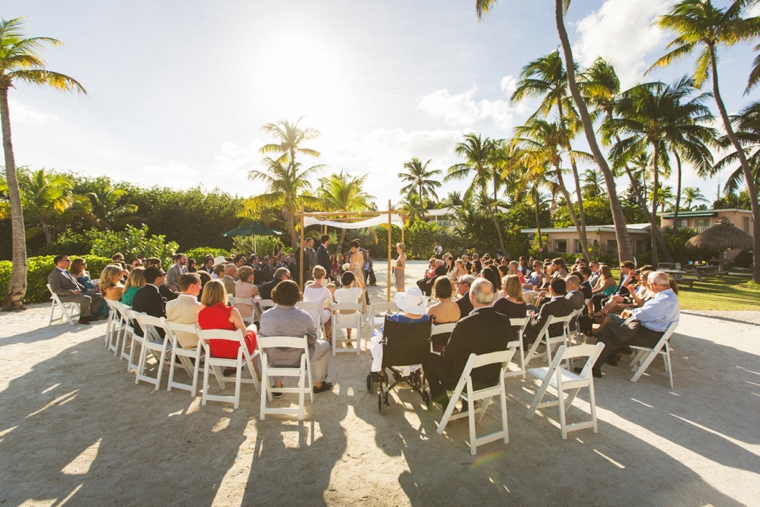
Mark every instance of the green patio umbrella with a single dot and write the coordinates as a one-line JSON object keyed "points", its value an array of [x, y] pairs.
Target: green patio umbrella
{"points": [[252, 229]]}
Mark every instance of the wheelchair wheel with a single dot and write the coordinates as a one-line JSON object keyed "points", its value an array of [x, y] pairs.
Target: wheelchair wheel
{"points": [[427, 399], [380, 403], [370, 384]]}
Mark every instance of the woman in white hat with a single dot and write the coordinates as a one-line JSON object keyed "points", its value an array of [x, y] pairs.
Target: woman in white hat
{"points": [[413, 304]]}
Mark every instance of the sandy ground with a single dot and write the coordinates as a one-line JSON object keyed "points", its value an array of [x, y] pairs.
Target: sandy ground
{"points": [[76, 430]]}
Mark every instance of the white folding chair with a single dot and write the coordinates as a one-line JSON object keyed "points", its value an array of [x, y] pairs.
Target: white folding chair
{"points": [[113, 328], [303, 372], [189, 358], [644, 356], [550, 341], [376, 316], [521, 325], [127, 332], [153, 342], [216, 363], [438, 330], [350, 321], [135, 341], [563, 380], [315, 308], [236, 302], [261, 306], [68, 310], [502, 357]]}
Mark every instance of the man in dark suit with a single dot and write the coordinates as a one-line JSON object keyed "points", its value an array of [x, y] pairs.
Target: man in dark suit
{"points": [[574, 293], [279, 275], [484, 331], [584, 272], [559, 306], [309, 259], [148, 299], [323, 256], [463, 290], [64, 285]]}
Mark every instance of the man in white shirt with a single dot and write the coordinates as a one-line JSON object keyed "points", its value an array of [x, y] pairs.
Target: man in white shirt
{"points": [[184, 309]]}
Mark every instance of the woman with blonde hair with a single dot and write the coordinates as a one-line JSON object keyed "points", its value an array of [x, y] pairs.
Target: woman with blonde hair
{"points": [[135, 280], [244, 288], [400, 269], [110, 282], [215, 314], [512, 304]]}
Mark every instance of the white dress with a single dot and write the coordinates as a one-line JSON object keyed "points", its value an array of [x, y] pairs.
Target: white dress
{"points": [[350, 295], [320, 295]]}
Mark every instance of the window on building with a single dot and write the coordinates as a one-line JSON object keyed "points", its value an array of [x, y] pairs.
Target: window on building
{"points": [[641, 247], [683, 222], [702, 224], [612, 247], [578, 247], [745, 224], [560, 245]]}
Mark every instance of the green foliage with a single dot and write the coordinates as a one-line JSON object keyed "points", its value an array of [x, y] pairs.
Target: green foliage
{"points": [[598, 212], [132, 242], [734, 201], [38, 269], [261, 246], [421, 236], [199, 253], [676, 244]]}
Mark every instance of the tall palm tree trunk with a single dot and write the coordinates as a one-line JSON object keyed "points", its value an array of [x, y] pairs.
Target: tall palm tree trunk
{"points": [[748, 176], [46, 231], [495, 222], [14, 296], [641, 198], [653, 217], [678, 191], [536, 200], [573, 216], [621, 232]]}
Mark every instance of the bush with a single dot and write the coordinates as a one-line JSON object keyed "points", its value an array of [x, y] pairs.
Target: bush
{"points": [[421, 236], [132, 242], [38, 269]]}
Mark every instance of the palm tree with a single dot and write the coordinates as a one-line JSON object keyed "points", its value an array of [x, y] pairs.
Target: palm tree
{"points": [[560, 10], [546, 76], [412, 207], [660, 116], [419, 178], [701, 25], [747, 125], [290, 138], [287, 187], [46, 195], [478, 155], [20, 61], [592, 184], [106, 207], [341, 192], [691, 195]]}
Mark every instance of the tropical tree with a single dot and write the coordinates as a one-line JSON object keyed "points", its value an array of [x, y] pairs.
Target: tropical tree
{"points": [[664, 118], [479, 160], [747, 125], [420, 179], [287, 188], [21, 61], [700, 25], [46, 195], [560, 10], [691, 195], [341, 192], [289, 137], [592, 184], [412, 207], [106, 208]]}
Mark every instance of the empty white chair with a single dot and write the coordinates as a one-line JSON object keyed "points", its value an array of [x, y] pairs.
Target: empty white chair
{"points": [[189, 358], [438, 330], [315, 308], [563, 380], [237, 302], [152, 342], [465, 391], [113, 328], [342, 321], [303, 372], [550, 341], [68, 310], [644, 356], [217, 363], [520, 324]]}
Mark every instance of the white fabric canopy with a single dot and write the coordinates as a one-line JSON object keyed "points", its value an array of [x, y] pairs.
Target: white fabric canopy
{"points": [[371, 222]]}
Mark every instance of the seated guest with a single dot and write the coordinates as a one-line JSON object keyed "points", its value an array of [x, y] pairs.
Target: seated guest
{"points": [[491, 273], [208, 264], [78, 271], [559, 269], [184, 309], [574, 293], [110, 282], [463, 291], [646, 326], [318, 292], [135, 280], [244, 288], [205, 278], [148, 299], [351, 292], [617, 304], [445, 311], [484, 330], [215, 314], [514, 269], [287, 320], [558, 306], [218, 271], [412, 303], [595, 273], [230, 273], [268, 270], [68, 290], [536, 277], [512, 305], [240, 261], [152, 262], [426, 284], [604, 288], [117, 257], [279, 275], [584, 274], [134, 263], [191, 266]]}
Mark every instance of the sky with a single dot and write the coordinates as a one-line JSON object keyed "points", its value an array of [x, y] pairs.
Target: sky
{"points": [[177, 91]]}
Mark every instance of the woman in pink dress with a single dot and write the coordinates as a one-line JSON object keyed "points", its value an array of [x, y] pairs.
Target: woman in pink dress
{"points": [[244, 288]]}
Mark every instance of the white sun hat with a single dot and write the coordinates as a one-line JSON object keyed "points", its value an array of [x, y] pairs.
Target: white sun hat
{"points": [[412, 301], [219, 259]]}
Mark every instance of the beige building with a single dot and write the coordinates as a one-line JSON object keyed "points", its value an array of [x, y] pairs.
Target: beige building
{"points": [[600, 237], [703, 219]]}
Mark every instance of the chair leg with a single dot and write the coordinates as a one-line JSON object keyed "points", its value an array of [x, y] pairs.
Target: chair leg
{"points": [[570, 398], [141, 362], [161, 365], [562, 415], [302, 391], [206, 368], [449, 410], [264, 389], [471, 420], [592, 401], [486, 403], [522, 357], [668, 364], [504, 420], [171, 370], [537, 399], [644, 365], [196, 368], [238, 378]]}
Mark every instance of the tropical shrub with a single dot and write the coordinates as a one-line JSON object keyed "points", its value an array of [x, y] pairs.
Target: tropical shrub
{"points": [[132, 242], [199, 253]]}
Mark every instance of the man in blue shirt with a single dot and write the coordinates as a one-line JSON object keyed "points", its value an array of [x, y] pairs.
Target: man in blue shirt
{"points": [[641, 326]]}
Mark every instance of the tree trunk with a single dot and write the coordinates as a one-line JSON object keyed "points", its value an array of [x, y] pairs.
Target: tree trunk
{"points": [[643, 204], [536, 200], [653, 218], [573, 216], [46, 230], [495, 223], [678, 191], [748, 176], [14, 296], [342, 238], [621, 232]]}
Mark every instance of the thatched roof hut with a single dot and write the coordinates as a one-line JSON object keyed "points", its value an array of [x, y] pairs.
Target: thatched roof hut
{"points": [[721, 236]]}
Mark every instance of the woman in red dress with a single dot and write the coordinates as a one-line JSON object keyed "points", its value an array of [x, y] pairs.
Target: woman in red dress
{"points": [[215, 314]]}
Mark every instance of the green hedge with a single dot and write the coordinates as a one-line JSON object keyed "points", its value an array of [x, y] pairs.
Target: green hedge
{"points": [[38, 269], [199, 253]]}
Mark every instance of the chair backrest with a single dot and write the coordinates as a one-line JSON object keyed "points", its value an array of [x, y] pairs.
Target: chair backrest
{"points": [[347, 306], [150, 325], [564, 353], [52, 294], [565, 321], [443, 328], [220, 334], [294, 342], [314, 306], [669, 331], [241, 301], [172, 328], [545, 328], [266, 303], [383, 307], [500, 357]]}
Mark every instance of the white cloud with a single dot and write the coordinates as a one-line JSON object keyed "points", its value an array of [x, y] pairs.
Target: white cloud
{"points": [[21, 113], [623, 33], [463, 109]]}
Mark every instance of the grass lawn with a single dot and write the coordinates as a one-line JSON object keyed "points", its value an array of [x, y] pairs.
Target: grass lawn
{"points": [[725, 293]]}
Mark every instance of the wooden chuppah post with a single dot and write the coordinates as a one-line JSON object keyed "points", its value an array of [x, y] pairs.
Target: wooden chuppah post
{"points": [[389, 250], [301, 243]]}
